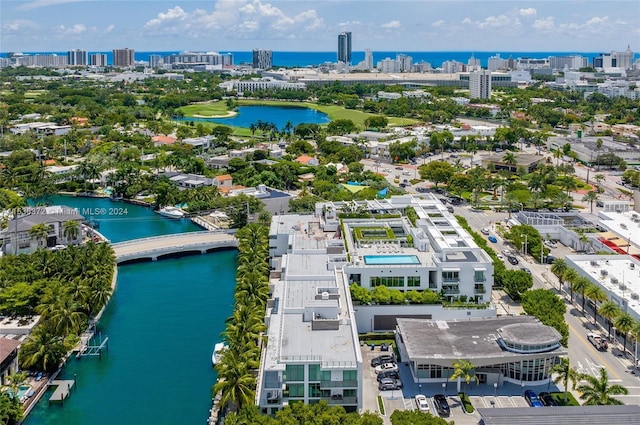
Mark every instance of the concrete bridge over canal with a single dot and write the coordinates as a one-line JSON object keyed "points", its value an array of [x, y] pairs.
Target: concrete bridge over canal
{"points": [[179, 243]]}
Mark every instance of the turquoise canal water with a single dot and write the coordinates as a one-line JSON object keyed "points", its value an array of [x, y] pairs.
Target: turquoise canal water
{"points": [[162, 324]]}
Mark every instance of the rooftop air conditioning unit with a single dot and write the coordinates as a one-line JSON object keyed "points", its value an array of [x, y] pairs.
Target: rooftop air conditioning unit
{"points": [[632, 266], [614, 279], [604, 272], [634, 296], [622, 287], [594, 263]]}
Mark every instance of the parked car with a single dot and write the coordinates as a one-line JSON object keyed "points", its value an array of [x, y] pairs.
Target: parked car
{"points": [[421, 403], [493, 239], [526, 270], [389, 374], [485, 231], [384, 347], [507, 253], [389, 384], [547, 400], [513, 260], [386, 367], [399, 168], [442, 406], [385, 358], [532, 399]]}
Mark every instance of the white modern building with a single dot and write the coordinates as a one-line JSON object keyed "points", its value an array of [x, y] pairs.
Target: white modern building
{"points": [[480, 84], [515, 349], [313, 351]]}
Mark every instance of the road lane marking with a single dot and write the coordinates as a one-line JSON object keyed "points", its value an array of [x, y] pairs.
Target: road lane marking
{"points": [[588, 344]]}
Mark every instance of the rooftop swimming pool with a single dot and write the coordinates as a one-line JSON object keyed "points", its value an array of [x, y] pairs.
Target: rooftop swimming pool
{"points": [[390, 259]]}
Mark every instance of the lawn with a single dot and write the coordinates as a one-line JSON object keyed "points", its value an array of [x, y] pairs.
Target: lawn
{"points": [[559, 397], [209, 109]]}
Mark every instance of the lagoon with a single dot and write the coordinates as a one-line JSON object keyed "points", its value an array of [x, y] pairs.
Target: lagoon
{"points": [[278, 115], [162, 324]]}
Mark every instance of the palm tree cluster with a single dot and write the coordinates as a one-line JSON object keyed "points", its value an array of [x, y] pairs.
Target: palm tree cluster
{"points": [[609, 310], [593, 390], [236, 368], [65, 288]]}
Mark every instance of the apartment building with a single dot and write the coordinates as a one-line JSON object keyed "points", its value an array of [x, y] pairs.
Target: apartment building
{"points": [[77, 57], [123, 58], [480, 84], [262, 59]]}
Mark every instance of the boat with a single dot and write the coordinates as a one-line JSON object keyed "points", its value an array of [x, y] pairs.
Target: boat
{"points": [[217, 352], [171, 212]]}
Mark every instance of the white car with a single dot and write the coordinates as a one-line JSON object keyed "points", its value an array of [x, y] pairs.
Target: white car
{"points": [[485, 231], [384, 367], [421, 402], [507, 253]]}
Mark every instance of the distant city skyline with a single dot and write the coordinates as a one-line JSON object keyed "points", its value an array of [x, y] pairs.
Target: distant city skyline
{"points": [[305, 25]]}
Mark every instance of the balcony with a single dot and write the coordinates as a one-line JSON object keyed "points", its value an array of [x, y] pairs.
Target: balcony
{"points": [[480, 278], [339, 384], [451, 290], [337, 399], [478, 289], [451, 279]]}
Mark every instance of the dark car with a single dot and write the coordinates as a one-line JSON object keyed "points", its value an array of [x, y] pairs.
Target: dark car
{"points": [[440, 401], [385, 358], [512, 260], [547, 400], [389, 384], [388, 374], [526, 270], [384, 347], [532, 399]]}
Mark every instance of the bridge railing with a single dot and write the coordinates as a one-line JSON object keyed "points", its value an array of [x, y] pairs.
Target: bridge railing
{"points": [[174, 249], [171, 236]]}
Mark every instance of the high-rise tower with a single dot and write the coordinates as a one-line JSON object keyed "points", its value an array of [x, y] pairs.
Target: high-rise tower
{"points": [[77, 57], [480, 84], [123, 58], [262, 59], [344, 47]]}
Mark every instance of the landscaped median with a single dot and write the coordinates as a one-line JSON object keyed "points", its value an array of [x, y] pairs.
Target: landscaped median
{"points": [[466, 403]]}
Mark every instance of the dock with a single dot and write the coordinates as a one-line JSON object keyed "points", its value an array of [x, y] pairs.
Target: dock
{"points": [[63, 388]]}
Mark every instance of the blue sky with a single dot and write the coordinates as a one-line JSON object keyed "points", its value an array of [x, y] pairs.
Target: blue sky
{"points": [[306, 25]]}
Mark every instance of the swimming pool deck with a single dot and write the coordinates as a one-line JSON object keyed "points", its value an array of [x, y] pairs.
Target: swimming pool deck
{"points": [[62, 391]]}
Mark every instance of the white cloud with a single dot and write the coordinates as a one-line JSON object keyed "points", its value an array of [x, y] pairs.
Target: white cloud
{"points": [[234, 18], [438, 23], [74, 29], [528, 12], [392, 24], [18, 25], [110, 28], [501, 21], [544, 24]]}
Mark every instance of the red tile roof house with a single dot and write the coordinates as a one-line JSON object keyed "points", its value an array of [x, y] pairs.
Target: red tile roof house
{"points": [[163, 140], [307, 160], [224, 181]]}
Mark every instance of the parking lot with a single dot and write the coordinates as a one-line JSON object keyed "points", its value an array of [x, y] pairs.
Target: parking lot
{"points": [[508, 395]]}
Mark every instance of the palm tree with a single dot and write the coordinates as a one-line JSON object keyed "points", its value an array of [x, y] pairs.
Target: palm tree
{"points": [[463, 369], [599, 178], [624, 323], [580, 285], [15, 380], [510, 159], [590, 197], [559, 267], [43, 350], [236, 384], [599, 144], [597, 295], [569, 276], [610, 311], [40, 232], [565, 374], [71, 230], [598, 392]]}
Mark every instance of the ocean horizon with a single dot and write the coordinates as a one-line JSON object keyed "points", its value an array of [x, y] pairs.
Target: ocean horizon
{"points": [[306, 58]]}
